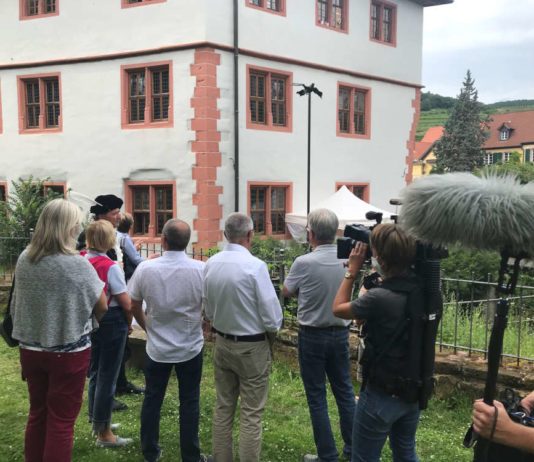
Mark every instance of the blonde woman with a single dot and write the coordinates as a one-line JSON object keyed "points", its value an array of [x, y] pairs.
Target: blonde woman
{"points": [[110, 338], [56, 294]]}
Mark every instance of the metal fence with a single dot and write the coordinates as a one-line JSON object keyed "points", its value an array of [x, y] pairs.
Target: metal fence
{"points": [[468, 310], [10, 249]]}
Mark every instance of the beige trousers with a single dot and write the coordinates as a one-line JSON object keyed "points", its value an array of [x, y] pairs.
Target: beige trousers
{"points": [[241, 370]]}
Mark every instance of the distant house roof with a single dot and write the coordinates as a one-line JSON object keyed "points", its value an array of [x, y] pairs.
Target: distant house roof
{"points": [[423, 147], [520, 126], [433, 134]]}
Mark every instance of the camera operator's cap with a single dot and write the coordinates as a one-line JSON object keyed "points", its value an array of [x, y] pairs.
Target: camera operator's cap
{"points": [[106, 203]]}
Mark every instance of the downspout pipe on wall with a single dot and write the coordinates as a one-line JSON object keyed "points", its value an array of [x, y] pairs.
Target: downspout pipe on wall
{"points": [[236, 107]]}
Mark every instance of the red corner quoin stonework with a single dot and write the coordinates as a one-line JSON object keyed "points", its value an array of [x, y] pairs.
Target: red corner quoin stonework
{"points": [[206, 148], [410, 144]]}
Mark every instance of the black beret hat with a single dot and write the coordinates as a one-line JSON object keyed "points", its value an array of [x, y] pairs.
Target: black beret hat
{"points": [[106, 203]]}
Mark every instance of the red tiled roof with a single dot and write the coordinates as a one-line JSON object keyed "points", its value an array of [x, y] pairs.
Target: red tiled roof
{"points": [[521, 125], [433, 134], [421, 149]]}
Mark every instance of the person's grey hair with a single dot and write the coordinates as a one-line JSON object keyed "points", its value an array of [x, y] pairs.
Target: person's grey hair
{"points": [[237, 226], [177, 234], [56, 230], [324, 224]]}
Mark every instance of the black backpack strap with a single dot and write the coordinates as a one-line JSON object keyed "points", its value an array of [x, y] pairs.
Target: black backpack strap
{"points": [[10, 297]]}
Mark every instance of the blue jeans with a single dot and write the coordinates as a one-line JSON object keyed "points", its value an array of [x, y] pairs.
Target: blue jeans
{"points": [[157, 376], [325, 353], [106, 356], [379, 415]]}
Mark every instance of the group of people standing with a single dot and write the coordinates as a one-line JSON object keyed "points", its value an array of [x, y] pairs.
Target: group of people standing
{"points": [[72, 315]]}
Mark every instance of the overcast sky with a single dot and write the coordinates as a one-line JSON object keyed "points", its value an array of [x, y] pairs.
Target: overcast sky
{"points": [[492, 38]]}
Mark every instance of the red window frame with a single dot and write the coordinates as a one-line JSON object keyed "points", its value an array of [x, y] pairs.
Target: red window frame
{"points": [[59, 187], [353, 121], [33, 9], [146, 102], [378, 29], [355, 188], [3, 191], [272, 221], [134, 3], [148, 218], [276, 99], [40, 110], [267, 5], [325, 10]]}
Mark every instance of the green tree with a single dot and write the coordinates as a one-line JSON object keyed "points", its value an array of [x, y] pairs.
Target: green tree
{"points": [[460, 147], [19, 213]]}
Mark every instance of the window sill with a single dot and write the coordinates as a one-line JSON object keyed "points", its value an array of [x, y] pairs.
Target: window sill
{"points": [[272, 128], [329, 27], [354, 135], [135, 126]]}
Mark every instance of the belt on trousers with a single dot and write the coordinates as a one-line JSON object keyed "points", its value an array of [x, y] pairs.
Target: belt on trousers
{"points": [[326, 328], [242, 338]]}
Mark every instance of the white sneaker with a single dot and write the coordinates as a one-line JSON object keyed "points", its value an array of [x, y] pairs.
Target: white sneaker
{"points": [[118, 443], [310, 458]]}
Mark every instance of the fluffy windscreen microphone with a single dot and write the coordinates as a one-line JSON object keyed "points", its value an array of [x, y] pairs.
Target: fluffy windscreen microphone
{"points": [[491, 212]]}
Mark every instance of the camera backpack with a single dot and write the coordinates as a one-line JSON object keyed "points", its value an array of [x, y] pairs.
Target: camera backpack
{"points": [[417, 330]]}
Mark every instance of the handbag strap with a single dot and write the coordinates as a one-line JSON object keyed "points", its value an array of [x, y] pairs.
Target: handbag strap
{"points": [[10, 296]]}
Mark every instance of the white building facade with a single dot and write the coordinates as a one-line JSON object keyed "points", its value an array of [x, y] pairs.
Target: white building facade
{"points": [[188, 108]]}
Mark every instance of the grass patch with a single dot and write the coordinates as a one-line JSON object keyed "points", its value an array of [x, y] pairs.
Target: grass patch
{"points": [[287, 433]]}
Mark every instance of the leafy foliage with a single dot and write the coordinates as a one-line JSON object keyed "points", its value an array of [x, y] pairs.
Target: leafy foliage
{"points": [[20, 212], [523, 171], [275, 251], [431, 101], [460, 148]]}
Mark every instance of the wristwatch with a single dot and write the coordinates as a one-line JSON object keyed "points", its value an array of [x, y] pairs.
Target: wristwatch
{"points": [[349, 275]]}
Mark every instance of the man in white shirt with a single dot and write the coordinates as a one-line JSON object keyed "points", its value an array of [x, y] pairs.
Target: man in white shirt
{"points": [[171, 286], [241, 302], [323, 339]]}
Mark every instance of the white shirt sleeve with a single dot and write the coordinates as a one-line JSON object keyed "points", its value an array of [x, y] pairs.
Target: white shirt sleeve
{"points": [[134, 285], [208, 310], [116, 281], [268, 305], [295, 277]]}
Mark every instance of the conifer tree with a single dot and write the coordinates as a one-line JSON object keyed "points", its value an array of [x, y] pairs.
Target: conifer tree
{"points": [[460, 147]]}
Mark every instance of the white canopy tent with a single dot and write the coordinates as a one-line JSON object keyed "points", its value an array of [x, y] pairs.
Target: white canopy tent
{"points": [[348, 208]]}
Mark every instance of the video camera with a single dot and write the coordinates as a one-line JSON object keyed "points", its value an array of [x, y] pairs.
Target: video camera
{"points": [[357, 233], [427, 257]]}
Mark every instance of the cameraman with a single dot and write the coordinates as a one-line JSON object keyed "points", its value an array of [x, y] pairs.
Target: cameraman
{"points": [[380, 411], [488, 419]]}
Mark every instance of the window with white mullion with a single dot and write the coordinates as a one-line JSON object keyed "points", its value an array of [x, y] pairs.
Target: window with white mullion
{"points": [[322, 10], [257, 98], [160, 94], [273, 5], [359, 112], [32, 7], [278, 100], [137, 96], [50, 6], [337, 14], [344, 110], [375, 23], [52, 108], [33, 104]]}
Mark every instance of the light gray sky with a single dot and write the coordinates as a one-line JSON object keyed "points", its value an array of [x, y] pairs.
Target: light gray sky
{"points": [[492, 38]]}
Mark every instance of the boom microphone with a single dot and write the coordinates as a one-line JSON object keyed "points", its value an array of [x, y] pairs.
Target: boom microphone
{"points": [[492, 212]]}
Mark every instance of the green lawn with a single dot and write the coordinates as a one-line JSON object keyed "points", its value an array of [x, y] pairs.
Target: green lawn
{"points": [[286, 424]]}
